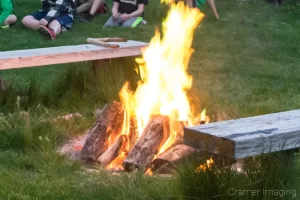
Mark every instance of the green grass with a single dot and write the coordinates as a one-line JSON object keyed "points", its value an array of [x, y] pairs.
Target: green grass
{"points": [[245, 64]]}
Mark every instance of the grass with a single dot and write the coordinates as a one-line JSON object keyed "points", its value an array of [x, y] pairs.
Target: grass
{"points": [[245, 64]]}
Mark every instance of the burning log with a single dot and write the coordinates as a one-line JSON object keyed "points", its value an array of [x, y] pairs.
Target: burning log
{"points": [[113, 151], [147, 146], [108, 124], [173, 154], [166, 161]]}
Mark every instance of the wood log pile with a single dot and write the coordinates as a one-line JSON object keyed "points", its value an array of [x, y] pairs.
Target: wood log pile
{"points": [[103, 144]]}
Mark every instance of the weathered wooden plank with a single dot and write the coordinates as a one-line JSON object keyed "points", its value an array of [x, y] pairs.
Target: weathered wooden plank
{"points": [[67, 54], [245, 137]]}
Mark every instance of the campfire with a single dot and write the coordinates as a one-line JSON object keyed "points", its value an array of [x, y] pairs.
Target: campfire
{"points": [[145, 129]]}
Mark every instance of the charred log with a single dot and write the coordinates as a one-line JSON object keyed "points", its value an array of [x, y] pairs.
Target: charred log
{"points": [[113, 151], [147, 146], [108, 124], [167, 161]]}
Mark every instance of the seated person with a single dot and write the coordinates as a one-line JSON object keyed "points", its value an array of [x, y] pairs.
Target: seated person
{"points": [[87, 9], [54, 17], [127, 13], [6, 16]]}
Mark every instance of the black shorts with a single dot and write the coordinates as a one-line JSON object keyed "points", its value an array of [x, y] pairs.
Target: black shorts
{"points": [[65, 20]]}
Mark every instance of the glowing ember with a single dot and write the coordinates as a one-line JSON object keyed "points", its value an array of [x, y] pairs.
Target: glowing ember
{"points": [[205, 166], [149, 172]]}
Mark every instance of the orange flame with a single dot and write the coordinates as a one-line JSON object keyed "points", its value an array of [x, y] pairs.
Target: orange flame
{"points": [[205, 166], [163, 71], [149, 172], [164, 80]]}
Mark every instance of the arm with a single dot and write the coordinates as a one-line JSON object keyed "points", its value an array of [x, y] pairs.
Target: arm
{"points": [[115, 9], [6, 6], [55, 11], [138, 12], [213, 7]]}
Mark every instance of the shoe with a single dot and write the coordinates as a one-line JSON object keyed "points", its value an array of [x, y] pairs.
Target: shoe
{"points": [[4, 26], [47, 33], [86, 18]]}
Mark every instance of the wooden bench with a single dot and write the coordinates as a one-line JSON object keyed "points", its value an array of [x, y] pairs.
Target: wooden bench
{"points": [[67, 54], [245, 137]]}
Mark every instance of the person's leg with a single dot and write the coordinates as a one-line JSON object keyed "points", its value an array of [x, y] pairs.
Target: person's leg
{"points": [[85, 7], [33, 21], [79, 2], [95, 5], [55, 26], [112, 22], [30, 22], [190, 3], [213, 7], [51, 31], [132, 22], [11, 19], [60, 24]]}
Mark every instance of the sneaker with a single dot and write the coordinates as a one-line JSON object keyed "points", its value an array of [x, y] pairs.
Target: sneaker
{"points": [[47, 33], [4, 26], [86, 17]]}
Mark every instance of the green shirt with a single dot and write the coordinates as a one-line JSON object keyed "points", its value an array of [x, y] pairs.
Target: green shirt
{"points": [[199, 4], [6, 8]]}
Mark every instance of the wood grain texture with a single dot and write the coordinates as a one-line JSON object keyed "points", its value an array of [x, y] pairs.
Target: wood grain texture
{"points": [[113, 151], [173, 155], [147, 146], [245, 137], [67, 54], [108, 125]]}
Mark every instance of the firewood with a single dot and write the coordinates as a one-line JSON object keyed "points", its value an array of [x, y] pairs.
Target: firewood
{"points": [[172, 156], [133, 135], [153, 137], [108, 124], [113, 151]]}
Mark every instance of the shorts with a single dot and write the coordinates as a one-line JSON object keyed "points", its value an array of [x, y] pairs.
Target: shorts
{"points": [[65, 20]]}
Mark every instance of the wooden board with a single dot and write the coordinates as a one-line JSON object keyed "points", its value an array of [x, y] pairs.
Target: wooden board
{"points": [[67, 54], [247, 136]]}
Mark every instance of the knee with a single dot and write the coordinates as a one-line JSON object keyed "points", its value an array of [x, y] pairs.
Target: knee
{"points": [[55, 24], [13, 19], [26, 21]]}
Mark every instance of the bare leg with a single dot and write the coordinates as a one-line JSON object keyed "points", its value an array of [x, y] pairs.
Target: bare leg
{"points": [[30, 22], [55, 26], [11, 19], [213, 7], [95, 6], [190, 3]]}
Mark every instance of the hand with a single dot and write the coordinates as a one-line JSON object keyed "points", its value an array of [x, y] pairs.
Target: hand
{"points": [[43, 22], [115, 15], [124, 17]]}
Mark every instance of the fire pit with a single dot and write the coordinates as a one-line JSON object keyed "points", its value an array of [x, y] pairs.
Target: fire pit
{"points": [[145, 129]]}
